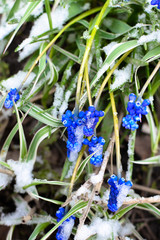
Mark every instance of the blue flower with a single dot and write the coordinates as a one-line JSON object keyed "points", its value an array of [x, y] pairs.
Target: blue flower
{"points": [[64, 230], [96, 147], [13, 95], [136, 109], [118, 192], [77, 127], [156, 2]]}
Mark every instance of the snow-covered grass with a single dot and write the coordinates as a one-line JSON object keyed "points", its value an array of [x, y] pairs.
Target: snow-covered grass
{"points": [[96, 53]]}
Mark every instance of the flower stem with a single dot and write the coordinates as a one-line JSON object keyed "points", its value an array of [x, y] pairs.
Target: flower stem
{"points": [[87, 84], [86, 54], [116, 131], [149, 79]]}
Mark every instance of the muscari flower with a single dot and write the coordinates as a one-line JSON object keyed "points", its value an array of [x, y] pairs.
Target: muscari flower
{"points": [[78, 127], [65, 229], [136, 109], [96, 147], [156, 2], [118, 192], [13, 95]]}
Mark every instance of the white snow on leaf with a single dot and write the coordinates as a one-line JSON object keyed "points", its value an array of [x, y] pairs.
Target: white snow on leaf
{"points": [[5, 179], [121, 76], [104, 229], [23, 173], [16, 80], [41, 25], [14, 218], [153, 36]]}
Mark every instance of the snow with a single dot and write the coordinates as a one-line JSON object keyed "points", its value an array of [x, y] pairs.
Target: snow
{"points": [[64, 105], [96, 178], [67, 229], [16, 80], [5, 179], [23, 172], [71, 168], [121, 76], [6, 28], [41, 25], [58, 98], [14, 218], [86, 35], [86, 6], [104, 229], [6, 113], [82, 191], [153, 36], [109, 48]]}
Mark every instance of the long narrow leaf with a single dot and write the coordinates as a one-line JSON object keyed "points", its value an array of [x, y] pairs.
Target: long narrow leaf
{"points": [[39, 181], [37, 113], [38, 138], [28, 12], [23, 144], [39, 228], [77, 207]]}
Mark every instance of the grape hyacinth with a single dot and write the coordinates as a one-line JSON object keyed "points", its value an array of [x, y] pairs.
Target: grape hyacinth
{"points": [[92, 117], [77, 127], [95, 145], [65, 229], [156, 2], [136, 109], [13, 95], [118, 192]]}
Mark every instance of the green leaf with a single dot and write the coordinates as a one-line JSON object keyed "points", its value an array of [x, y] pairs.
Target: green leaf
{"points": [[2, 100], [152, 54], [23, 144], [82, 165], [53, 72], [7, 142], [37, 113], [13, 10], [66, 53], [148, 161], [77, 207], [66, 167], [29, 10], [152, 128], [150, 207], [116, 25], [41, 181], [38, 138], [39, 228], [36, 196], [123, 211], [10, 233], [4, 164]]}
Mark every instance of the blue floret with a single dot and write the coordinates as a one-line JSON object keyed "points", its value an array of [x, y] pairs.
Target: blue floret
{"points": [[118, 192], [77, 127], [13, 95], [63, 233], [96, 147], [136, 109], [156, 2]]}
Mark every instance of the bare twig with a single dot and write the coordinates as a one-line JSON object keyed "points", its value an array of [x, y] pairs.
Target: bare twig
{"points": [[154, 199], [6, 171]]}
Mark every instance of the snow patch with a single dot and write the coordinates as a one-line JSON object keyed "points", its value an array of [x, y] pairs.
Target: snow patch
{"points": [[23, 172]]}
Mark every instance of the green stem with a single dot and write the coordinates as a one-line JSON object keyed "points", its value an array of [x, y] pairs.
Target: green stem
{"points": [[149, 79], [86, 54], [48, 11]]}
